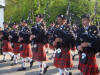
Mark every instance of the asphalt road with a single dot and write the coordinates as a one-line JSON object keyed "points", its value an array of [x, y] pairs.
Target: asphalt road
{"points": [[6, 69]]}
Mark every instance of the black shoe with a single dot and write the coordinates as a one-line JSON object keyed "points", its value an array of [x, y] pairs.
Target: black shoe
{"points": [[51, 58], [12, 58], [21, 69], [70, 73], [31, 64], [2, 61], [47, 52], [73, 57], [40, 74], [13, 64], [45, 69]]}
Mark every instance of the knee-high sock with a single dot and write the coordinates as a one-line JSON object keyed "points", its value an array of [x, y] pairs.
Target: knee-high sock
{"points": [[4, 55], [41, 66], [23, 62], [67, 72], [11, 54], [61, 71], [44, 65], [15, 59], [28, 59]]}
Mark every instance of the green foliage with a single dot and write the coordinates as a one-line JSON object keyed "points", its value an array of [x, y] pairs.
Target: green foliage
{"points": [[15, 10]]}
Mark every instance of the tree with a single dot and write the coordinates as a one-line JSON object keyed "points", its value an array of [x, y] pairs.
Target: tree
{"points": [[15, 10]]}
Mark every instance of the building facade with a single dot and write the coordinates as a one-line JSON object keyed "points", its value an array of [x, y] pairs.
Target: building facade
{"points": [[2, 5]]}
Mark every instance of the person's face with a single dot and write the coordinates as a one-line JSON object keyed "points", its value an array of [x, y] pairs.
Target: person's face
{"points": [[52, 24], [85, 44], [15, 26], [38, 19], [5, 25], [1, 35], [59, 20], [85, 22], [24, 24], [20, 39], [21, 23], [0, 29], [32, 37], [65, 21], [57, 26], [56, 41]]}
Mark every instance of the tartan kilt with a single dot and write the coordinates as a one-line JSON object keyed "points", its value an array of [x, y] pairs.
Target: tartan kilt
{"points": [[16, 48], [40, 55], [65, 61], [91, 68], [27, 51], [7, 46]]}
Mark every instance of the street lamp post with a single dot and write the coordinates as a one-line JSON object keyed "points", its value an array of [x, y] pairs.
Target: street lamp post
{"points": [[2, 5]]}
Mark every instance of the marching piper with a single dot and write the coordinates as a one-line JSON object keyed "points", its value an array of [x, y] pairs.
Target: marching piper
{"points": [[7, 47], [25, 46], [63, 42], [87, 59], [15, 44], [39, 41]]}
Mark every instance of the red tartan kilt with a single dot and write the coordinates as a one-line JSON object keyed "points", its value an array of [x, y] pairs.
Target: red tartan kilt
{"points": [[7, 46], [91, 68], [65, 61], [27, 51], [16, 48], [40, 55]]}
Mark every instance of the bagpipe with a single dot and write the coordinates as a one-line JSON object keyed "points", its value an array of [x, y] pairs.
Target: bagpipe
{"points": [[91, 36], [14, 35], [40, 34], [26, 39], [68, 40], [25, 36], [9, 35], [5, 34]]}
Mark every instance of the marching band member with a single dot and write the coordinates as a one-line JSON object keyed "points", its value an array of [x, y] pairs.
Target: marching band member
{"points": [[63, 43], [7, 47], [15, 44], [39, 53], [87, 62], [26, 53]]}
